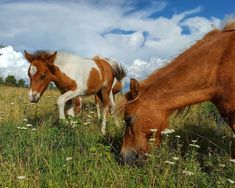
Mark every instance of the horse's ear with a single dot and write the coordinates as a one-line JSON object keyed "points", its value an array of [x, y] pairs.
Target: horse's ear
{"points": [[134, 92], [52, 57], [28, 56]]}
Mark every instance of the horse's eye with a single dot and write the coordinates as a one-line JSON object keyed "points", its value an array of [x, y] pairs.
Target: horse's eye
{"points": [[128, 120], [42, 77]]}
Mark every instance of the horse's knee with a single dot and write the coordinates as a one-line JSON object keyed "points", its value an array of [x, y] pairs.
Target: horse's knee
{"points": [[61, 101]]}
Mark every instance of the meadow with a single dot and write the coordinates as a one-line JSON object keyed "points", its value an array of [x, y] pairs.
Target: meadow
{"points": [[38, 151]]}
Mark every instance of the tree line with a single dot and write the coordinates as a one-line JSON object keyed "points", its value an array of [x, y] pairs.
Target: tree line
{"points": [[10, 80]]}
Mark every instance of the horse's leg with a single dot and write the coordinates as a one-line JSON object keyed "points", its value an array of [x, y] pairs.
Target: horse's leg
{"points": [[77, 103], [63, 99], [69, 110], [112, 101], [106, 102], [97, 103], [231, 120], [111, 96]]}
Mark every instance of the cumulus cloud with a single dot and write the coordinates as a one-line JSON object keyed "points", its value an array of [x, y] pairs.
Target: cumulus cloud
{"points": [[12, 63], [120, 29]]}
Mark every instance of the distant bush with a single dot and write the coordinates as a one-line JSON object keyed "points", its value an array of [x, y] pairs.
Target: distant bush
{"points": [[10, 80], [21, 83]]}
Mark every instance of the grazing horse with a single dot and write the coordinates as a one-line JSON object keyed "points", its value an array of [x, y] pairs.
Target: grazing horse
{"points": [[73, 76], [204, 72]]}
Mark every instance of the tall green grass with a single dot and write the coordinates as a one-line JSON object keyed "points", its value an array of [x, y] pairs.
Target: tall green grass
{"points": [[37, 151]]}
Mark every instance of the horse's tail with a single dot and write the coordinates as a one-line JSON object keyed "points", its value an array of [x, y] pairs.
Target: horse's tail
{"points": [[119, 71]]}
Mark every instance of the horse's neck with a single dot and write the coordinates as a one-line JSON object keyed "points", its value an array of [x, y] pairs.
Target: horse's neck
{"points": [[189, 79], [63, 82]]}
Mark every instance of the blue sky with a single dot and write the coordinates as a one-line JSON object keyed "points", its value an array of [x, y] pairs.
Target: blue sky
{"points": [[142, 35]]}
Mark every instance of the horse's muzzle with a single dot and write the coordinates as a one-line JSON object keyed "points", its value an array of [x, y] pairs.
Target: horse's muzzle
{"points": [[131, 158], [34, 96]]}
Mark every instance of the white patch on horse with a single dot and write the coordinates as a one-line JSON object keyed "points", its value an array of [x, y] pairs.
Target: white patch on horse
{"points": [[32, 70], [78, 69]]}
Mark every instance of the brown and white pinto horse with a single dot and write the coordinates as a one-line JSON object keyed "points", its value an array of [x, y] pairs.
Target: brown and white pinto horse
{"points": [[117, 85], [74, 76], [204, 72]]}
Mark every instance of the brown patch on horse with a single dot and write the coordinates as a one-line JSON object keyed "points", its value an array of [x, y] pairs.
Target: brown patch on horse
{"points": [[105, 69], [117, 87], [62, 81], [94, 81]]}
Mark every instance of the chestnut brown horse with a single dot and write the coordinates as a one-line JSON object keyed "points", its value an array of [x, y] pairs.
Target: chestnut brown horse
{"points": [[204, 72], [74, 76]]}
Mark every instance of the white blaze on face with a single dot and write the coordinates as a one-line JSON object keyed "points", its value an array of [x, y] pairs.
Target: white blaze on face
{"points": [[33, 96], [32, 70]]}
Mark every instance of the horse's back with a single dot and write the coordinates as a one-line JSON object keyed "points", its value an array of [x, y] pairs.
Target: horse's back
{"points": [[78, 69]]}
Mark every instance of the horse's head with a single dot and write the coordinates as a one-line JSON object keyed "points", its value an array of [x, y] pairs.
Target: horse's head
{"points": [[40, 72], [139, 122]]}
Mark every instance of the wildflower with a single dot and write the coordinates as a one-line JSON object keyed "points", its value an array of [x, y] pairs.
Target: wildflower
{"points": [[194, 145], [177, 136], [167, 131], [188, 173], [170, 162], [194, 141], [29, 125], [73, 122], [152, 139], [25, 120], [176, 158], [153, 130], [21, 177], [68, 158], [34, 129], [231, 181], [22, 128], [232, 160], [222, 165], [86, 123]]}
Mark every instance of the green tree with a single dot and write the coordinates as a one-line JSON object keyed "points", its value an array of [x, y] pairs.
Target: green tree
{"points": [[21, 83], [10, 80], [1, 80]]}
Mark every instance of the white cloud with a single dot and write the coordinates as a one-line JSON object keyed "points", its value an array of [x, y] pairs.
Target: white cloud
{"points": [[87, 28], [12, 63]]}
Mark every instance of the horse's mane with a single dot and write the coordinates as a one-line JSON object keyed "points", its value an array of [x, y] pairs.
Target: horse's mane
{"points": [[228, 26], [41, 54]]}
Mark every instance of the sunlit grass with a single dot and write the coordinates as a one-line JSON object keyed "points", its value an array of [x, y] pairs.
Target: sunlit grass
{"points": [[37, 151]]}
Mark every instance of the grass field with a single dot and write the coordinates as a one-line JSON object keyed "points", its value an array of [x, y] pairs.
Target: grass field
{"points": [[37, 151]]}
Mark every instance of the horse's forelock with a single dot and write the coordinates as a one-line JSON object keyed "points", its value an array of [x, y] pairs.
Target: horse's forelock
{"points": [[41, 55]]}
